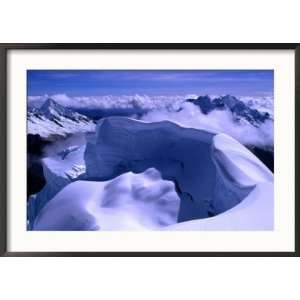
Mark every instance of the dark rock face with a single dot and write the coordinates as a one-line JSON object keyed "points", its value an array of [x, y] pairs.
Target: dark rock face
{"points": [[35, 177], [204, 102], [267, 157], [218, 103], [238, 108], [35, 144]]}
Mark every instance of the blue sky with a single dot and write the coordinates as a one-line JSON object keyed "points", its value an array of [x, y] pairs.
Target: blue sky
{"points": [[150, 82]]}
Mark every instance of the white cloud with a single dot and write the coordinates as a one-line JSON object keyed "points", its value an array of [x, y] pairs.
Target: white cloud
{"points": [[111, 102], [134, 101], [166, 108], [218, 122]]}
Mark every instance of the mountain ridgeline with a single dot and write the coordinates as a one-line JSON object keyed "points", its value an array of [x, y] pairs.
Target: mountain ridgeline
{"points": [[52, 120], [240, 110]]}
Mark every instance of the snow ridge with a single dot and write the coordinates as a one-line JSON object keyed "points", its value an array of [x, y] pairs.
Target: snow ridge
{"points": [[137, 175]]}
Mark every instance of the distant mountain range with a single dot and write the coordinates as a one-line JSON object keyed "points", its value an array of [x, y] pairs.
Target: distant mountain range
{"points": [[53, 119], [239, 109]]}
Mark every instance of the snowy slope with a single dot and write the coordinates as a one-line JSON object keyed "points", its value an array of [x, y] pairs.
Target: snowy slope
{"points": [[238, 169], [128, 202], [211, 174], [53, 119], [59, 170], [184, 155], [255, 212]]}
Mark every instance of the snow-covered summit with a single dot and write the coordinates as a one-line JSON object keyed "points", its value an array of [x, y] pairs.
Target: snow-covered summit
{"points": [[114, 189], [53, 119], [51, 109], [128, 202], [239, 109], [212, 173]]}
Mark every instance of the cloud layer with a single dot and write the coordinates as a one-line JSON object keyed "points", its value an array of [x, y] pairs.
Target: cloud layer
{"points": [[218, 122], [143, 102], [174, 108], [111, 102]]}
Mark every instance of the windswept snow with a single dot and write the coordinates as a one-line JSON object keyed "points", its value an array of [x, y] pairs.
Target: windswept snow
{"points": [[238, 171], [235, 162], [210, 172], [255, 212], [138, 175], [128, 202]]}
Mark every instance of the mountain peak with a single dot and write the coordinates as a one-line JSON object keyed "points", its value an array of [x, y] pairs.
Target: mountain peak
{"points": [[53, 118], [51, 108], [237, 107], [50, 103]]}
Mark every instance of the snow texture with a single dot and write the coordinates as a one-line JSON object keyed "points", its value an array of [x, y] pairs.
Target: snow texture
{"points": [[128, 202], [133, 174], [202, 166], [255, 212], [59, 171]]}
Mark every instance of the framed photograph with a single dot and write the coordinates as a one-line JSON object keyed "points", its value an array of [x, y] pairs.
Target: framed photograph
{"points": [[149, 149]]}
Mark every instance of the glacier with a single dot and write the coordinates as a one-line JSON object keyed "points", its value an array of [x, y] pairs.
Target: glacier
{"points": [[141, 175]]}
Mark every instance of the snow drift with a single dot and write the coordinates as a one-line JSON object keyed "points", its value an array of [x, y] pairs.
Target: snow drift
{"points": [[255, 212], [128, 202], [212, 174]]}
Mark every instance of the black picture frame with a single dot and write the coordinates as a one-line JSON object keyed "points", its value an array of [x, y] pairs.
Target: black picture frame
{"points": [[4, 48]]}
